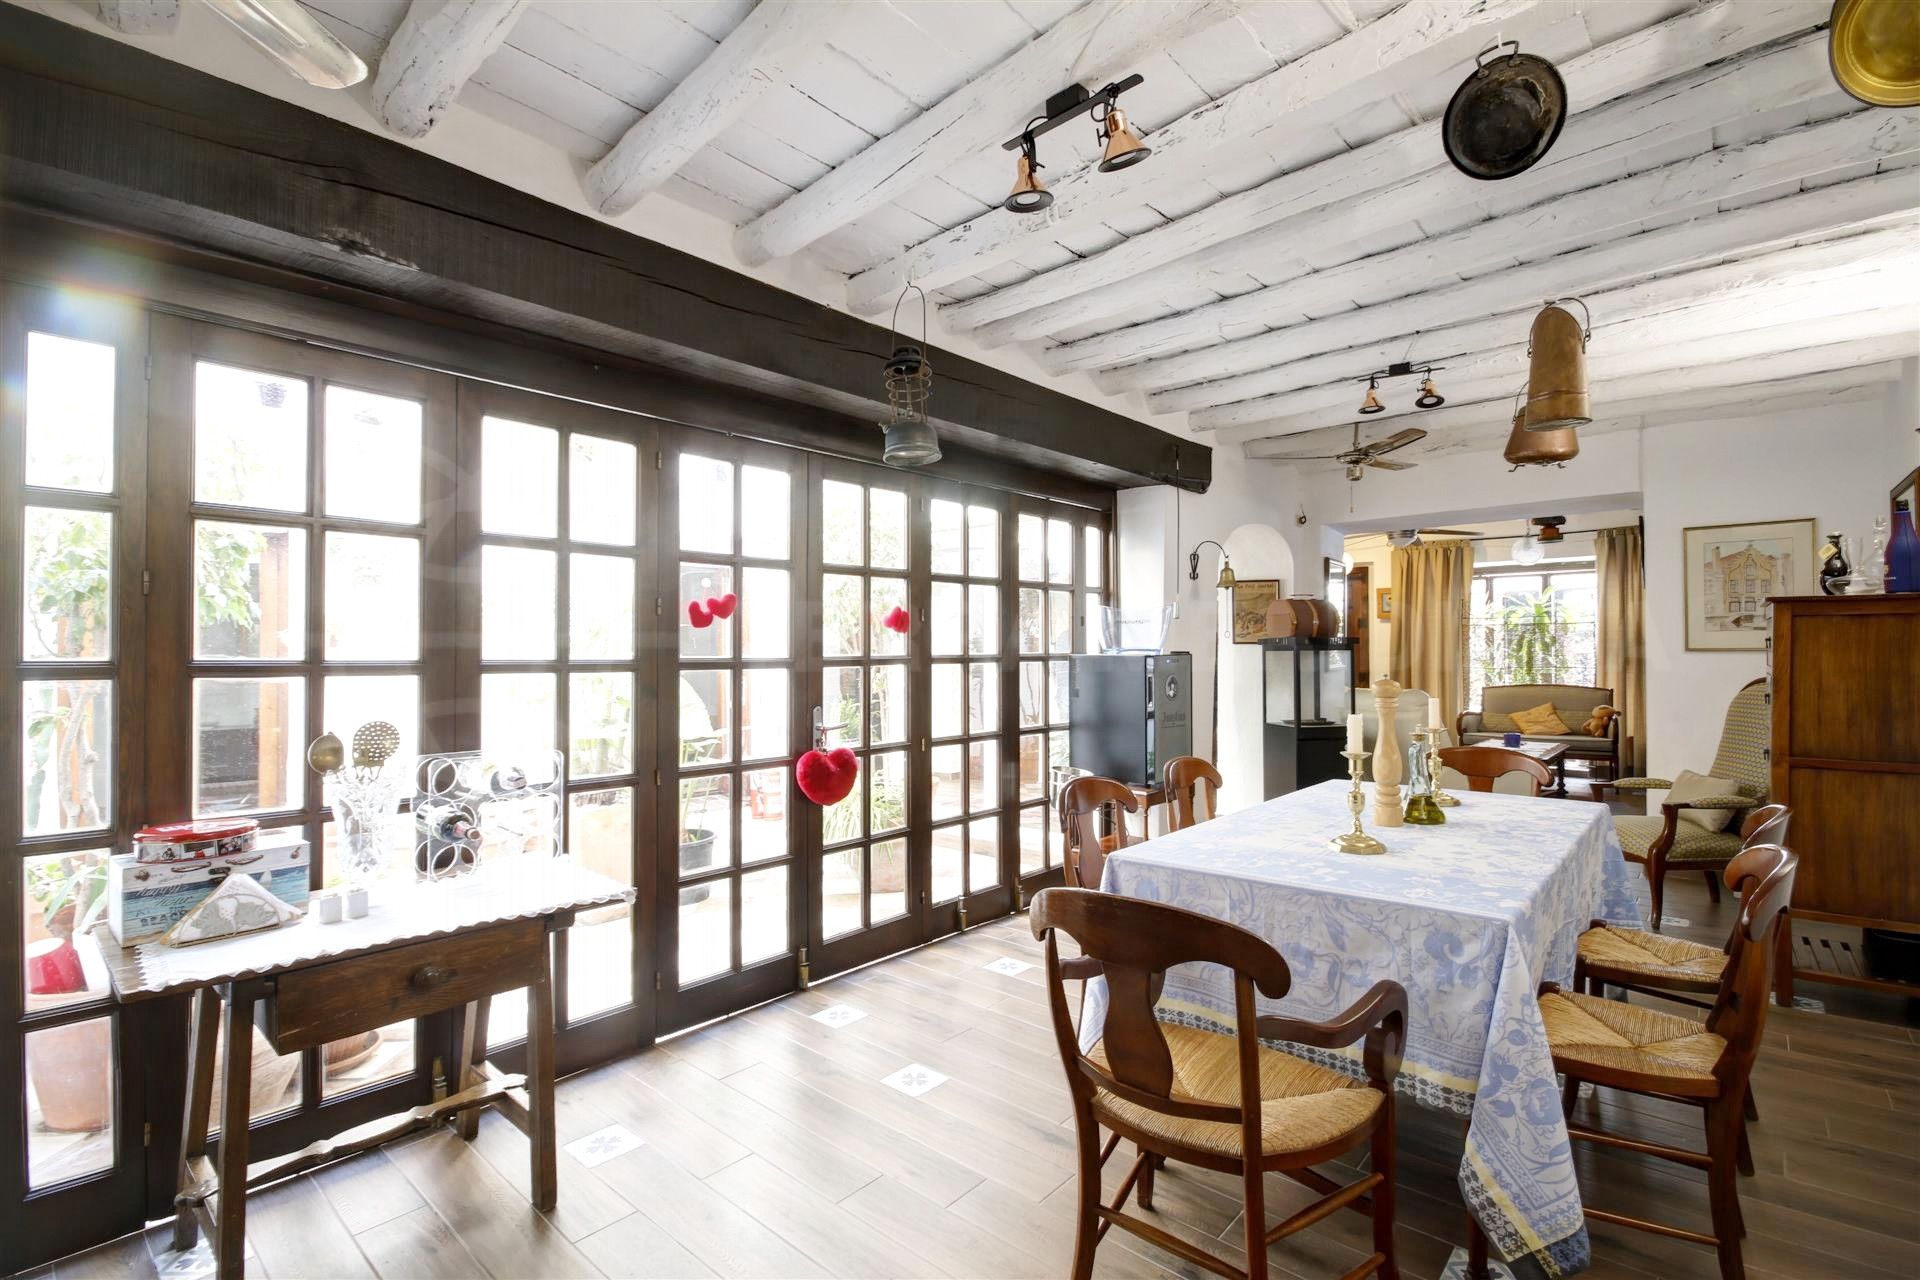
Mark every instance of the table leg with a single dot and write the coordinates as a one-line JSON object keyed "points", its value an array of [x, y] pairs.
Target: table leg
{"points": [[1560, 776], [540, 1136], [203, 1030], [473, 1051], [230, 1234], [1476, 1249]]}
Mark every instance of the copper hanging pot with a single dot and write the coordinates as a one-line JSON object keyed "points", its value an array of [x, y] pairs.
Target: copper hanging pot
{"points": [[1874, 49], [1552, 448], [1506, 115], [1557, 369]]}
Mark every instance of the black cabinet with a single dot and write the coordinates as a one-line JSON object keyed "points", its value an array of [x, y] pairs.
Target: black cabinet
{"points": [[1132, 712]]}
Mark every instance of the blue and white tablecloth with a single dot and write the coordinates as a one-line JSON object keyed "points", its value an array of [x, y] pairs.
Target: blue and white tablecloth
{"points": [[1470, 917]]}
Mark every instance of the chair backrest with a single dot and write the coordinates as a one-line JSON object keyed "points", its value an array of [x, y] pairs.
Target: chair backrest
{"points": [[1083, 852], [1481, 765], [1763, 876], [1742, 757], [1131, 941], [1765, 825], [1182, 779]]}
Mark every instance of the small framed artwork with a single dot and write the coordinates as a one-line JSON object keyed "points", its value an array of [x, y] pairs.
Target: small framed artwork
{"points": [[1251, 596], [1731, 569], [1383, 608]]}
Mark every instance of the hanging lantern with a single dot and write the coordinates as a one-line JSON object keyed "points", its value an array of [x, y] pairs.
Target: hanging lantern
{"points": [[1554, 448], [910, 438], [1557, 369]]}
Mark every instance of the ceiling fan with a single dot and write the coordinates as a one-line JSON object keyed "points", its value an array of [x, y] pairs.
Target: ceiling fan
{"points": [[1414, 537], [1365, 455]]}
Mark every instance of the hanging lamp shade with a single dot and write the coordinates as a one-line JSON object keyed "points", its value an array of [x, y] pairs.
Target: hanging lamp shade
{"points": [[1029, 194], [1557, 371], [1123, 145]]}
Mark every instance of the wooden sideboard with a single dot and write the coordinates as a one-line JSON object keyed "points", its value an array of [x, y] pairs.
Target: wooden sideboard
{"points": [[1845, 755]]}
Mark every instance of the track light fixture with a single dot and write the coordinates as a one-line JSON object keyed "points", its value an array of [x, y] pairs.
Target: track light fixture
{"points": [[1029, 194], [1120, 143], [1429, 397]]}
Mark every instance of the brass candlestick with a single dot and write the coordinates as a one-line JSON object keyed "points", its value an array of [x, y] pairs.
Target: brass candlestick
{"points": [[1356, 840], [1440, 796]]}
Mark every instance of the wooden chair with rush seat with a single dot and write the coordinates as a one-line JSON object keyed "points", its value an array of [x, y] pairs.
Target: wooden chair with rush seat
{"points": [[1084, 848], [1181, 780], [1220, 1101], [1481, 766], [1631, 1047]]}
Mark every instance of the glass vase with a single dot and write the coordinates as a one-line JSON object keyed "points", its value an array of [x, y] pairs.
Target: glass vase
{"points": [[366, 809]]}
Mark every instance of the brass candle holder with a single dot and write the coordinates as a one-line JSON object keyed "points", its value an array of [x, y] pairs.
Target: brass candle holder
{"points": [[1440, 796], [1356, 840]]}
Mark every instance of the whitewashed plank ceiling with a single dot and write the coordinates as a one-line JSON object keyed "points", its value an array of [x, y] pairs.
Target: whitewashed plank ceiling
{"points": [[1732, 216]]}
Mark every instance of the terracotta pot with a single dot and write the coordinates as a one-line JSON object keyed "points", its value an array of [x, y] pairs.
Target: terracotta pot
{"points": [[70, 1068]]}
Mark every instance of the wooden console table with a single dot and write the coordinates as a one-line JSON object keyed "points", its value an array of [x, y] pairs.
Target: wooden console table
{"points": [[422, 950]]}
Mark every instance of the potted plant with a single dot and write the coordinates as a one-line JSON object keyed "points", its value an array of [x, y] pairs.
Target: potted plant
{"points": [[69, 1067]]}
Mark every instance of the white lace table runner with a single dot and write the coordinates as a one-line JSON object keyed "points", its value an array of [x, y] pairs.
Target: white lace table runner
{"points": [[501, 890]]}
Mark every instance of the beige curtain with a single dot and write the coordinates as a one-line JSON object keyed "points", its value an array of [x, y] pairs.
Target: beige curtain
{"points": [[1428, 646], [1620, 564]]}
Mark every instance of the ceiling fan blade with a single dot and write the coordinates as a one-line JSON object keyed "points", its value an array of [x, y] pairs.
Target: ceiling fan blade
{"points": [[294, 38], [1388, 464], [1447, 533], [1398, 440], [1304, 457]]}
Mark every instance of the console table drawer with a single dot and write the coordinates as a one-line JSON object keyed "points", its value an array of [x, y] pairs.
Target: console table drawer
{"points": [[327, 1002]]}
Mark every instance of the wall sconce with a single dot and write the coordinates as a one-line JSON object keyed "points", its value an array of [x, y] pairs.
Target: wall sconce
{"points": [[1429, 397], [1226, 566], [908, 379]]}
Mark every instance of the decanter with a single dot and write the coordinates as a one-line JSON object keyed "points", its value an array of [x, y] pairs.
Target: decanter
{"points": [[1422, 809]]}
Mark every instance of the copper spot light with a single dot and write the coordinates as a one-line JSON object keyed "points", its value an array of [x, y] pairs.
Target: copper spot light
{"points": [[908, 379], [1029, 194], [1122, 146], [1429, 397], [1372, 403]]}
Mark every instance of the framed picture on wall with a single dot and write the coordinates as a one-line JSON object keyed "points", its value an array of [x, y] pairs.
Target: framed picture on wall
{"points": [[1251, 596], [1729, 570], [1384, 604]]}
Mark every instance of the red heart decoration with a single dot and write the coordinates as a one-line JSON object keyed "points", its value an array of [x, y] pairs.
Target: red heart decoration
{"points": [[698, 615], [827, 777], [724, 606], [896, 620]]}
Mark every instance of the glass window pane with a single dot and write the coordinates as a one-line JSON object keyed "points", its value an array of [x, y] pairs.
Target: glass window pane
{"points": [[706, 823], [766, 612], [1033, 549], [1058, 750], [843, 621], [949, 769], [763, 914], [1096, 557], [706, 717], [983, 542], [983, 854], [373, 456], [599, 608], [887, 881], [518, 597], [274, 1086], [841, 871], [69, 585], [949, 699], [885, 595], [948, 548], [1033, 694], [706, 928], [600, 944], [949, 848], [372, 604], [347, 702], [1059, 622], [249, 591], [373, 1057], [66, 895], [517, 713], [983, 776], [249, 438], [983, 698], [700, 585], [888, 705], [983, 619], [1033, 834], [1059, 551], [949, 620], [67, 766], [842, 523], [1059, 692], [843, 711], [70, 1071], [887, 529], [764, 714], [1033, 622], [763, 818], [1033, 770], [600, 723], [601, 480], [766, 515], [846, 819], [887, 792], [706, 504], [69, 413], [249, 739], [519, 478]]}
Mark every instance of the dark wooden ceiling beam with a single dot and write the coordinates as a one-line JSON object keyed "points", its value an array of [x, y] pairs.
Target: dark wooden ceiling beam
{"points": [[95, 129]]}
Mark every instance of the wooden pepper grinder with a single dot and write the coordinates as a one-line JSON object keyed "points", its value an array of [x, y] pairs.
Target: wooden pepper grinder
{"points": [[1388, 766]]}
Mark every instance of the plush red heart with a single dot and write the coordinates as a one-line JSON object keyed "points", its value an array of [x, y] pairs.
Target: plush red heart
{"points": [[827, 777], [896, 620], [698, 614], [723, 606]]}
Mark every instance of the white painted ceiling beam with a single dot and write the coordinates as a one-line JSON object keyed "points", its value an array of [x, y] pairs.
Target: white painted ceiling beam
{"points": [[1838, 209], [751, 60], [1774, 351], [1121, 277], [1421, 39], [140, 17], [433, 54], [1093, 45], [1701, 182], [1731, 296]]}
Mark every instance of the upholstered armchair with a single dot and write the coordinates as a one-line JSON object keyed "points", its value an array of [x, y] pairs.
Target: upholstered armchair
{"points": [[1667, 843]]}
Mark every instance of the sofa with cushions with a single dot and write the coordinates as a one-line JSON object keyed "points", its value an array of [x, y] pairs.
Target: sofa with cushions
{"points": [[1574, 704]]}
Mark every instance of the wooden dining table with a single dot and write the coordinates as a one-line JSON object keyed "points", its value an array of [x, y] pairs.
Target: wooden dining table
{"points": [[1470, 917]]}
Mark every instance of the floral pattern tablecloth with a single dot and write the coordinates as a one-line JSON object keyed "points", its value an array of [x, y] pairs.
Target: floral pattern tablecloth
{"points": [[1470, 917]]}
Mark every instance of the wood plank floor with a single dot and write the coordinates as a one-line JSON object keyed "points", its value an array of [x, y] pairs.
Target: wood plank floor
{"points": [[770, 1147]]}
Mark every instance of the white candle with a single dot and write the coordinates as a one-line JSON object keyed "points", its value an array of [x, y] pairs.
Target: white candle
{"points": [[1433, 714], [1356, 733]]}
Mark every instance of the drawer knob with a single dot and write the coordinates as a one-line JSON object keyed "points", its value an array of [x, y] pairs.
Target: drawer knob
{"points": [[428, 976]]}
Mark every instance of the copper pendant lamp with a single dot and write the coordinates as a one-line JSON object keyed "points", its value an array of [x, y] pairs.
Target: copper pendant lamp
{"points": [[1552, 448], [1874, 49], [1557, 369]]}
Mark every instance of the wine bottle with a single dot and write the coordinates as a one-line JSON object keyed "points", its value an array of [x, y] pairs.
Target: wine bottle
{"points": [[1903, 551]]}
